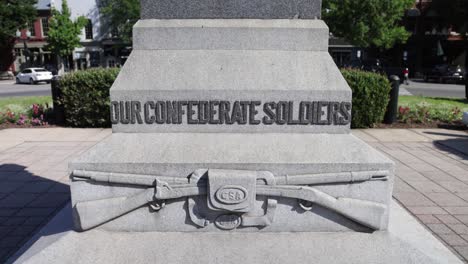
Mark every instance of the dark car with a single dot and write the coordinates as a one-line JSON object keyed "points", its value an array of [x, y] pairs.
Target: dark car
{"points": [[379, 66], [445, 73]]}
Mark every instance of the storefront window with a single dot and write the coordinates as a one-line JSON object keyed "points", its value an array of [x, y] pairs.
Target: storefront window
{"points": [[89, 30], [45, 25]]}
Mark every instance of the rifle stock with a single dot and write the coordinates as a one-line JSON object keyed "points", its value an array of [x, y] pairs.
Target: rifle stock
{"points": [[367, 213], [95, 213]]}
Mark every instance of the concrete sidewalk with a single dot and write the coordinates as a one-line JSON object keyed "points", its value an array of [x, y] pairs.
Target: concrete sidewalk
{"points": [[34, 178], [432, 178]]}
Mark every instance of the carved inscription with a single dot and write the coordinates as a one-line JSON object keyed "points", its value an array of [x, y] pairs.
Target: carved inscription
{"points": [[217, 112], [228, 221], [231, 194]]}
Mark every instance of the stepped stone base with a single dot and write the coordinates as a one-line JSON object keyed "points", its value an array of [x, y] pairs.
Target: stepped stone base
{"points": [[406, 241]]}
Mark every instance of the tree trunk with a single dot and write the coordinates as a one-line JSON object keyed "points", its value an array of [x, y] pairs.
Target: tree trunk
{"points": [[6, 55], [60, 66]]}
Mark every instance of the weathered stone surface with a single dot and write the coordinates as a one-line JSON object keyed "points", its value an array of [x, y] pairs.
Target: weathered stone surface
{"points": [[265, 9], [179, 154], [406, 242], [231, 34], [223, 75], [279, 153]]}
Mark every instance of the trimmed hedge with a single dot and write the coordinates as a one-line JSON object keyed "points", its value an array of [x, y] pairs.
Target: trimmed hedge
{"points": [[85, 97], [371, 93]]}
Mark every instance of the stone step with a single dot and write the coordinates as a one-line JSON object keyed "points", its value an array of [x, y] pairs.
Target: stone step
{"points": [[180, 154], [231, 34], [407, 241]]}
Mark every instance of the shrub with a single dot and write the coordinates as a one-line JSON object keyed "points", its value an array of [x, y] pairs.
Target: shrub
{"points": [[371, 93], [85, 97]]}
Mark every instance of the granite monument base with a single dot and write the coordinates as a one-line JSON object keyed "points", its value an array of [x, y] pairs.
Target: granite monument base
{"points": [[406, 241]]}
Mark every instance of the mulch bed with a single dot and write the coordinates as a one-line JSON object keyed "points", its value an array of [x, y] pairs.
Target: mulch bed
{"points": [[9, 125]]}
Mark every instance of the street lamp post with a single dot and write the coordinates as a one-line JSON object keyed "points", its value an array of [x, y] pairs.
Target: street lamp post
{"points": [[26, 52]]}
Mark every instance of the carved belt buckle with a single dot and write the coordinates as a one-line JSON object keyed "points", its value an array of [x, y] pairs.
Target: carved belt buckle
{"points": [[232, 191]]}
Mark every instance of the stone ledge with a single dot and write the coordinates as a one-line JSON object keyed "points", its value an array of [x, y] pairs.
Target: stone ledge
{"points": [[264, 9], [241, 71], [232, 34], [179, 154]]}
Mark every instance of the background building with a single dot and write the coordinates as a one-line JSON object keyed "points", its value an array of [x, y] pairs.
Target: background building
{"points": [[431, 43], [100, 47], [30, 45]]}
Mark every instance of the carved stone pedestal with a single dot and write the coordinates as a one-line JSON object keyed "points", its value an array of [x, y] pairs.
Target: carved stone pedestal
{"points": [[253, 116], [231, 144]]}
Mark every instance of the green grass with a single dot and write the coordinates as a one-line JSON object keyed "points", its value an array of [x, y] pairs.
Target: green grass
{"points": [[23, 102], [433, 102]]}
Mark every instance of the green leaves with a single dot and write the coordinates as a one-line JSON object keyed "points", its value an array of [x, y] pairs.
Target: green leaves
{"points": [[367, 23], [14, 15], [85, 96], [122, 14], [371, 92], [63, 36]]}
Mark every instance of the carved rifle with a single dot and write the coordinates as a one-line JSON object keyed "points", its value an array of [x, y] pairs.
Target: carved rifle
{"points": [[97, 212]]}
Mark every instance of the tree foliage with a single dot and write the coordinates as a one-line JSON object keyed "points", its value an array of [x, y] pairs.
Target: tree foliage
{"points": [[367, 23], [14, 15], [455, 13], [63, 36], [122, 15]]}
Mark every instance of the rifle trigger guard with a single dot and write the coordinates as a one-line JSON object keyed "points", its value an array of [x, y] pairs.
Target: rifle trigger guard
{"points": [[157, 205], [305, 205]]}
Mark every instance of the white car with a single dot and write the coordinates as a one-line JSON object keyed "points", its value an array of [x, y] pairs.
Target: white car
{"points": [[34, 75]]}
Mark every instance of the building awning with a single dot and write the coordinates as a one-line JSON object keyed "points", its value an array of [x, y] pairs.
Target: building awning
{"points": [[43, 5], [335, 42], [39, 44]]}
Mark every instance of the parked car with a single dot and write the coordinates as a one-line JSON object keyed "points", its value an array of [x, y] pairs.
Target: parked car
{"points": [[7, 75], [444, 72], [377, 66], [34, 75]]}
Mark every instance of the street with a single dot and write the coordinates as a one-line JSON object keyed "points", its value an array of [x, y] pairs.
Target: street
{"points": [[11, 89], [415, 87], [434, 89]]}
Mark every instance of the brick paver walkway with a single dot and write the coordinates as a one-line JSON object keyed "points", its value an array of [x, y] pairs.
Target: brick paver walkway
{"points": [[34, 178], [432, 178]]}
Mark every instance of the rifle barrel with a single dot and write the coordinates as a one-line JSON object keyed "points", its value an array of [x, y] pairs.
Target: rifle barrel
{"points": [[304, 179], [125, 178]]}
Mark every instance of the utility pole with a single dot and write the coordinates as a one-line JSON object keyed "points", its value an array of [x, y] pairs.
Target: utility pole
{"points": [[26, 51]]}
